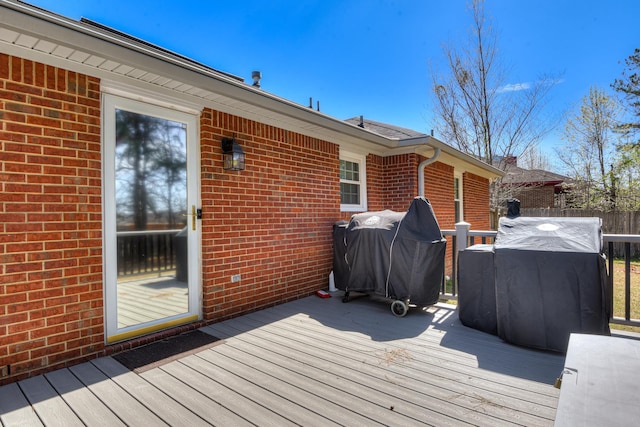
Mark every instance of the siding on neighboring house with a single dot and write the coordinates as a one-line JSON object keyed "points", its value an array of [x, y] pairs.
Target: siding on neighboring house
{"points": [[51, 307]]}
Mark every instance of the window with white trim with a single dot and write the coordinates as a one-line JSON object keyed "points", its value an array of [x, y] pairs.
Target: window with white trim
{"points": [[457, 197], [353, 184]]}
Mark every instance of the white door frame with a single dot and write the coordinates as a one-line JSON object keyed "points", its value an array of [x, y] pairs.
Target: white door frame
{"points": [[110, 103]]}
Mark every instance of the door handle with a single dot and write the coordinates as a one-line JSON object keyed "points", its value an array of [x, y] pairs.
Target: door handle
{"points": [[195, 214]]}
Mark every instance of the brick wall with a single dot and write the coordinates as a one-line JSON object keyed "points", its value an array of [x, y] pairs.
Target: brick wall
{"points": [[51, 308], [271, 223], [375, 183], [476, 201], [536, 197], [400, 181], [438, 188]]}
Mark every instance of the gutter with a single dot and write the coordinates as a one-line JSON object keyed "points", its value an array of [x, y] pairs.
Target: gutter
{"points": [[424, 140]]}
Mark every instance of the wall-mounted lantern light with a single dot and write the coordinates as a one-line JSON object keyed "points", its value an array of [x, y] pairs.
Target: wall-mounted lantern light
{"points": [[232, 155]]}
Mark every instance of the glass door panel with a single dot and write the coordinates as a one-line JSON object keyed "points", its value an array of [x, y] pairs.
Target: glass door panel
{"points": [[151, 268], [151, 215]]}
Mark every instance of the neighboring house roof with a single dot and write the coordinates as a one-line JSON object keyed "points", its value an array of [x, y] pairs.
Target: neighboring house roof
{"points": [[123, 62], [517, 176]]}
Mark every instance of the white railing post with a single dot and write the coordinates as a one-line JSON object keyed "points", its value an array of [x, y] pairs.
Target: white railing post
{"points": [[462, 235]]}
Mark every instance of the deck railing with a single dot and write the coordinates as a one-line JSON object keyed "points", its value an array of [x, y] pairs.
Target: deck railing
{"points": [[144, 252], [462, 237]]}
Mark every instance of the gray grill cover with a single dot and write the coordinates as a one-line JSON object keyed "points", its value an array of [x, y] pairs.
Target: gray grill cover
{"points": [[550, 280], [394, 254]]}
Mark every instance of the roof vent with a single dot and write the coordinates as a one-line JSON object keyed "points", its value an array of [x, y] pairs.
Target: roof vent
{"points": [[361, 124], [256, 76]]}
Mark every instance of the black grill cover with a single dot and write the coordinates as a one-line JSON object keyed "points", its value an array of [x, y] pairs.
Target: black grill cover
{"points": [[340, 267], [394, 254], [550, 280], [477, 288]]}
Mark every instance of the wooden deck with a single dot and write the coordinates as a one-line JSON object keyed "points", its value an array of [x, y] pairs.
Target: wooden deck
{"points": [[145, 298], [312, 362]]}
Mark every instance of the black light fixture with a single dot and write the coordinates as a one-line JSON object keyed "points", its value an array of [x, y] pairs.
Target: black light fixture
{"points": [[232, 155]]}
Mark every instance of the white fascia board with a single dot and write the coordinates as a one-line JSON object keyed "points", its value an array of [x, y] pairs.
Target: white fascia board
{"points": [[460, 160]]}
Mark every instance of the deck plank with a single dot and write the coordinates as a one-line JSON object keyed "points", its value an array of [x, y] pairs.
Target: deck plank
{"points": [[311, 362], [84, 403], [460, 365], [253, 391], [303, 396], [195, 397], [348, 395], [157, 401], [123, 405], [45, 400], [222, 387], [379, 365], [15, 409]]}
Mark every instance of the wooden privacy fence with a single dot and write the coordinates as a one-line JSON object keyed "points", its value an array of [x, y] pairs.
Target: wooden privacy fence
{"points": [[627, 222]]}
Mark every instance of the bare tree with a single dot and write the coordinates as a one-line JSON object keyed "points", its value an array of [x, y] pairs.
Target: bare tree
{"points": [[476, 107], [534, 158], [589, 152]]}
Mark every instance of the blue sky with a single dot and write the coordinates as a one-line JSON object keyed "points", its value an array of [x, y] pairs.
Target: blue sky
{"points": [[373, 57]]}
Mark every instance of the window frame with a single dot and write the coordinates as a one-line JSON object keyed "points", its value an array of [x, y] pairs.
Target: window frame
{"points": [[460, 199], [361, 160]]}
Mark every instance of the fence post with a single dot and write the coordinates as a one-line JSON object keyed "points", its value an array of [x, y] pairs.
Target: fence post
{"points": [[462, 235]]}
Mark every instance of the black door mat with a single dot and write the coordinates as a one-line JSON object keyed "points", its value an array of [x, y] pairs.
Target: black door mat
{"points": [[160, 352]]}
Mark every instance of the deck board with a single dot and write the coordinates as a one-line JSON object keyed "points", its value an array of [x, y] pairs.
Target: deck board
{"points": [[171, 411], [223, 388], [198, 398], [15, 409], [85, 404], [312, 362], [117, 399], [50, 407], [398, 367]]}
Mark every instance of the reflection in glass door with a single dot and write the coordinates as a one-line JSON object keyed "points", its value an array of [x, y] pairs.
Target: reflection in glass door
{"points": [[150, 225]]}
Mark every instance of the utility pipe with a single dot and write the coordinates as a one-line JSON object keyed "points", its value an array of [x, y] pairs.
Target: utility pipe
{"points": [[421, 167]]}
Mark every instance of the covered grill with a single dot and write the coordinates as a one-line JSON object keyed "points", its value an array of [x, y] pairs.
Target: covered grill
{"points": [[477, 288], [550, 280], [397, 255]]}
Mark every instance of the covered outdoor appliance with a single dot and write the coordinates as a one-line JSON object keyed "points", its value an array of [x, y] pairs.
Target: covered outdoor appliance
{"points": [[397, 255], [477, 288], [550, 280]]}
